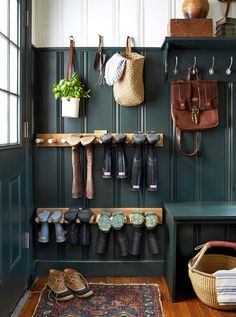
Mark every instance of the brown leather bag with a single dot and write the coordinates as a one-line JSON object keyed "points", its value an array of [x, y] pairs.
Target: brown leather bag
{"points": [[194, 107]]}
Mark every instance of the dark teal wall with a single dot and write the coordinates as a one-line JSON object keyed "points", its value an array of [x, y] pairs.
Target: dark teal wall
{"points": [[210, 176]]}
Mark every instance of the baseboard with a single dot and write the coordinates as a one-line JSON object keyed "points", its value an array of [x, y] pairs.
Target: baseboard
{"points": [[103, 268]]}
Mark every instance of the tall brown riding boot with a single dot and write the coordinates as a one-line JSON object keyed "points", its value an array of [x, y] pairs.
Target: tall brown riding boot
{"points": [[77, 183], [77, 283], [87, 141], [57, 287]]}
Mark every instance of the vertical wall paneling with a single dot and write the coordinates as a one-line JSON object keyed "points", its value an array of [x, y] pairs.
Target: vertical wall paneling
{"points": [[1, 232], [145, 20], [129, 14], [229, 141], [15, 238]]}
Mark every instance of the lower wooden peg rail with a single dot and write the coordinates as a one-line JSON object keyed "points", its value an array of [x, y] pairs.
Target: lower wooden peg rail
{"points": [[97, 211]]}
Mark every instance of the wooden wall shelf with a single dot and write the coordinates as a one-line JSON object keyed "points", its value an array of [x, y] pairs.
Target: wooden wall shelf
{"points": [[60, 139], [97, 211]]}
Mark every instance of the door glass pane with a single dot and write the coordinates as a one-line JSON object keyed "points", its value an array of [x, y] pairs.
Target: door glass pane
{"points": [[3, 63], [3, 118], [13, 21], [13, 69], [3, 16], [13, 119]]}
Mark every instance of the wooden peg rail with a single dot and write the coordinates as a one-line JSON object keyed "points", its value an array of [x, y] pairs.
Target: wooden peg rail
{"points": [[97, 211], [60, 139]]}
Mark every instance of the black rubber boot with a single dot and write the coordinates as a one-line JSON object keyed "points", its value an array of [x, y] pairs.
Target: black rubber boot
{"points": [[135, 248], [137, 166], [72, 228], [84, 216], [153, 244], [102, 242], [104, 225], [122, 240], [151, 162], [107, 159], [121, 164]]}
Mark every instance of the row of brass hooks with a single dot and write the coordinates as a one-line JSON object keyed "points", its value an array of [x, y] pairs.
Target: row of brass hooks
{"points": [[211, 70]]}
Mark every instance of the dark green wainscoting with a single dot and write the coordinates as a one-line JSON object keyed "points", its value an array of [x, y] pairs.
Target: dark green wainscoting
{"points": [[210, 176]]}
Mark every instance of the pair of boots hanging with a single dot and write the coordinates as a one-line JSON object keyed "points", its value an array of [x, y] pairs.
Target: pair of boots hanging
{"points": [[117, 220], [77, 182], [137, 166], [151, 164]]}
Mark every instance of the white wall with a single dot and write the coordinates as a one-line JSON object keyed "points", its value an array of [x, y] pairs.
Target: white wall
{"points": [[146, 21]]}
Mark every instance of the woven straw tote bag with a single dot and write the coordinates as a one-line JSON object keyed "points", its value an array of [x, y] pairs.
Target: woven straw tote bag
{"points": [[129, 90]]}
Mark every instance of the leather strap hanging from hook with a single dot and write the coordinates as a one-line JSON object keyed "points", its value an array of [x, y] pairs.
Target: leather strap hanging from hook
{"points": [[128, 45], [70, 61], [227, 8]]}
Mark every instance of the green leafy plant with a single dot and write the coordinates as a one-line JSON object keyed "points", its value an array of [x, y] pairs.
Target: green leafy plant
{"points": [[70, 88]]}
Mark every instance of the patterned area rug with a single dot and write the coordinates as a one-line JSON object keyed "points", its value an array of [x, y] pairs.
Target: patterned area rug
{"points": [[117, 300]]}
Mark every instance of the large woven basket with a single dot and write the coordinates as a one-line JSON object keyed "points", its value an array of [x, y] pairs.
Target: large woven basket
{"points": [[201, 269], [129, 90]]}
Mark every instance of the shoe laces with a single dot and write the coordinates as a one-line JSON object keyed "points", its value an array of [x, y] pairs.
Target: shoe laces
{"points": [[60, 282], [77, 278]]}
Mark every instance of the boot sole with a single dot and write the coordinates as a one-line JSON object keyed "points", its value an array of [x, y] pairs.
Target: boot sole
{"points": [[85, 295], [64, 299]]}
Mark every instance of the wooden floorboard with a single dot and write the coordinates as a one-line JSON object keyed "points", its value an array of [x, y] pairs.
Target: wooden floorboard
{"points": [[189, 306]]}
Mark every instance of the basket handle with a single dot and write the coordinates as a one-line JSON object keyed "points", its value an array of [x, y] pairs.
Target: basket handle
{"points": [[208, 245]]}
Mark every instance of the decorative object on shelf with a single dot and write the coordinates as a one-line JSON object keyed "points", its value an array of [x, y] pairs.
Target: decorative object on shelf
{"points": [[194, 107], [118, 224], [85, 216], [190, 28], [77, 180], [43, 234], [137, 165], [104, 225], [99, 62], [121, 163], [114, 69], [151, 222], [226, 27], [195, 9], [70, 89], [137, 220], [107, 157], [129, 90], [59, 231], [151, 162], [87, 142], [70, 216]]}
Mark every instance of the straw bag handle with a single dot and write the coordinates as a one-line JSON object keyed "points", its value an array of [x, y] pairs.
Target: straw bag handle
{"points": [[70, 61], [208, 245], [128, 45]]}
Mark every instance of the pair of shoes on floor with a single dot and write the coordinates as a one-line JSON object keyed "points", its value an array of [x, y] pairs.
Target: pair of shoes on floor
{"points": [[64, 285]]}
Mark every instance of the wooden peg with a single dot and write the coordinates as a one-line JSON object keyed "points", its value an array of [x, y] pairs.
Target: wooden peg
{"points": [[39, 141], [63, 141], [51, 141]]}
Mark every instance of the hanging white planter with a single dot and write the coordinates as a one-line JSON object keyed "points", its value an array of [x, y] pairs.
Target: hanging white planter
{"points": [[70, 108]]}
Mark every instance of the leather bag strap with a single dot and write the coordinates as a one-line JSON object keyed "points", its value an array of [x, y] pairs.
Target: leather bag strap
{"points": [[190, 70], [128, 45], [227, 8], [70, 61], [197, 142]]}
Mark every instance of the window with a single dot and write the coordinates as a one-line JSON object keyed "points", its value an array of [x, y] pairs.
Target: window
{"points": [[9, 73]]}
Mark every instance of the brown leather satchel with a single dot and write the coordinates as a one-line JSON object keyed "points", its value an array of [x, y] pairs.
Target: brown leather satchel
{"points": [[194, 107]]}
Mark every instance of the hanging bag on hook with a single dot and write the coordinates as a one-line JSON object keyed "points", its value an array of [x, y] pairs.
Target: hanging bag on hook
{"points": [[129, 90], [194, 107]]}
